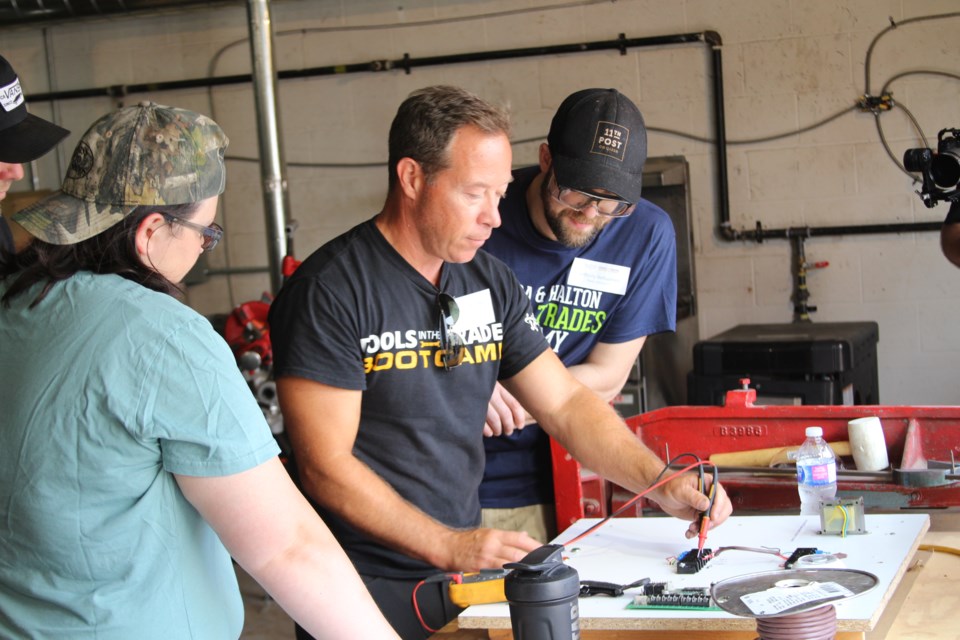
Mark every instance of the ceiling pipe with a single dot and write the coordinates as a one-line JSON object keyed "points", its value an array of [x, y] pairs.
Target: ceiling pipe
{"points": [[31, 12], [406, 63], [724, 228], [272, 169]]}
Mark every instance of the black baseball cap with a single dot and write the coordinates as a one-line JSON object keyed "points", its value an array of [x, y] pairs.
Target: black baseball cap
{"points": [[598, 141], [23, 136]]}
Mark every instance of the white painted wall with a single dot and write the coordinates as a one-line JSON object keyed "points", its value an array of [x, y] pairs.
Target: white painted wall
{"points": [[787, 64]]}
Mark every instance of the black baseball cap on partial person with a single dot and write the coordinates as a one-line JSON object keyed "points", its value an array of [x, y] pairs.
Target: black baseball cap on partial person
{"points": [[598, 140], [145, 155], [23, 136]]}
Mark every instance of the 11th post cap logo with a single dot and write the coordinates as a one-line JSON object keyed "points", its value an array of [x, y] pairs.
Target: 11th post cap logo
{"points": [[610, 140]]}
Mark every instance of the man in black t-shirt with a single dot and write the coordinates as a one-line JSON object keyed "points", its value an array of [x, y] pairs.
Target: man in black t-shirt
{"points": [[388, 341], [23, 137]]}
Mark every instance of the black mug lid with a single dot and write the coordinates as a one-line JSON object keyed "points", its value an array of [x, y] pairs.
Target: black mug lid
{"points": [[541, 577]]}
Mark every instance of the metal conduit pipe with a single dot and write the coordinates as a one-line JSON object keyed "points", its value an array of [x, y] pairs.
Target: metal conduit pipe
{"points": [[30, 12], [406, 63], [711, 38], [272, 170], [760, 233]]}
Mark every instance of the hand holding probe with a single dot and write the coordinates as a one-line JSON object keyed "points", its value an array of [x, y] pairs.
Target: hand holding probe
{"points": [[705, 515]]}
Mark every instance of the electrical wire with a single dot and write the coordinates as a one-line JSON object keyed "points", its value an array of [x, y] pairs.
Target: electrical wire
{"points": [[913, 120], [771, 551], [886, 147], [894, 25], [657, 482], [939, 548], [843, 528], [769, 138], [214, 62], [416, 608], [215, 59], [663, 130], [923, 72]]}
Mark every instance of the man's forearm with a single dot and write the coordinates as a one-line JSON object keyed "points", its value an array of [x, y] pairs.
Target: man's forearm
{"points": [[607, 367], [597, 437], [355, 493], [597, 380]]}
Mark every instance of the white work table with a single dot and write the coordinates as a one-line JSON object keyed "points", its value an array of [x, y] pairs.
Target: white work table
{"points": [[626, 549]]}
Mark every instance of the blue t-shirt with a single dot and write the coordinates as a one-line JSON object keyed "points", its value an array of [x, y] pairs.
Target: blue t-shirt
{"points": [[619, 287], [107, 389]]}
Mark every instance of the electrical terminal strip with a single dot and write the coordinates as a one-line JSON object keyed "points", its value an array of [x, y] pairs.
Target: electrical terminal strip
{"points": [[658, 595]]}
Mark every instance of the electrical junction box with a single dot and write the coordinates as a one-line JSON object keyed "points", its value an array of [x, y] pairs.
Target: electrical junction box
{"points": [[842, 516]]}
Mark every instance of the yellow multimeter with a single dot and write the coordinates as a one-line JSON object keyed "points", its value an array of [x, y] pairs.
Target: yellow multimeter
{"points": [[482, 587]]}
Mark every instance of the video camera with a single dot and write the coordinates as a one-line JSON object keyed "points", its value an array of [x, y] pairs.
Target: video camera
{"points": [[940, 170]]}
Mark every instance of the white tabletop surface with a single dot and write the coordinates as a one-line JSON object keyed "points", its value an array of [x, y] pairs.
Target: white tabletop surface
{"points": [[626, 549]]}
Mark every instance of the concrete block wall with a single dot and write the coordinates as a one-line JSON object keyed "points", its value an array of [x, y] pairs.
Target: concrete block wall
{"points": [[787, 64]]}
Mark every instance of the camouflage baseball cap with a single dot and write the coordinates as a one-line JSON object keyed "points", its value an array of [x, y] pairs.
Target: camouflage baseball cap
{"points": [[143, 155]]}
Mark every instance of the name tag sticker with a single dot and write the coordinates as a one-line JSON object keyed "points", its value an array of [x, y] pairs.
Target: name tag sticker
{"points": [[476, 310], [600, 276]]}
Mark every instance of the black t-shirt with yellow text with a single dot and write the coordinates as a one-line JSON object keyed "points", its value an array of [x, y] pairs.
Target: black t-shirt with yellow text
{"points": [[356, 315]]}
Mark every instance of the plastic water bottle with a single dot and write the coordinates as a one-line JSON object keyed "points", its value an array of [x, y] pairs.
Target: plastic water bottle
{"points": [[816, 472]]}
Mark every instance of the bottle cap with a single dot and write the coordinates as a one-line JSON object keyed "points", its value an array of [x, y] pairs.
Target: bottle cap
{"points": [[814, 432]]}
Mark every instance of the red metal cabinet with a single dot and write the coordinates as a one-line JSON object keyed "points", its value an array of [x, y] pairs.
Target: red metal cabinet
{"points": [[922, 433]]}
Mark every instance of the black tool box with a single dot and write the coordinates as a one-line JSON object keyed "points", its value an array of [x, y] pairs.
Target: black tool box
{"points": [[799, 363]]}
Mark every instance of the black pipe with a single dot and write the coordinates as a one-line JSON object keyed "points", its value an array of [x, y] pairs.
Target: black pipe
{"points": [[711, 38], [31, 12], [405, 63], [760, 234]]}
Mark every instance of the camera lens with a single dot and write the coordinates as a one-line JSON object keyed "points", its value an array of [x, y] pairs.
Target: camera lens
{"points": [[917, 160], [945, 169]]}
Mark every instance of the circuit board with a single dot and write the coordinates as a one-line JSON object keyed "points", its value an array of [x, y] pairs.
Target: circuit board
{"points": [[659, 595]]}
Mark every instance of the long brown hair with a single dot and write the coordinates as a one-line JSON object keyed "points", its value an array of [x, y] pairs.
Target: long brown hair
{"points": [[110, 252]]}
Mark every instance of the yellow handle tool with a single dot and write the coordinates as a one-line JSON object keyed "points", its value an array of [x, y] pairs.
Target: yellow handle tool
{"points": [[769, 457], [483, 587]]}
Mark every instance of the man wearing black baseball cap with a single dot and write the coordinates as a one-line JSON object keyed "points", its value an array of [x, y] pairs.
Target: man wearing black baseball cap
{"points": [[599, 265], [23, 137]]}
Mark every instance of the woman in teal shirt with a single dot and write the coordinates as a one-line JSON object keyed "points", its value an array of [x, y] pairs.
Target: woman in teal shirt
{"points": [[134, 461]]}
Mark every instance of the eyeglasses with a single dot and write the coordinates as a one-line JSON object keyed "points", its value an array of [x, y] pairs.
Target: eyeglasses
{"points": [[211, 235], [450, 341], [579, 200]]}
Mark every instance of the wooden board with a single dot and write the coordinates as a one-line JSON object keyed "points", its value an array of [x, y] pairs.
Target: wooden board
{"points": [[627, 549], [926, 604]]}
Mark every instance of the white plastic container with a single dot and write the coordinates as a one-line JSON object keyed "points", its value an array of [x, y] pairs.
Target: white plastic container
{"points": [[816, 472]]}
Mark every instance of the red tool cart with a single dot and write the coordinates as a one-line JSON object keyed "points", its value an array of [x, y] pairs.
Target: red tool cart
{"points": [[922, 444]]}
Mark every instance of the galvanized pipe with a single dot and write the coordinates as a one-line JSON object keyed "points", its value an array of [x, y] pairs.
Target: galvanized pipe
{"points": [[272, 169], [847, 475]]}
